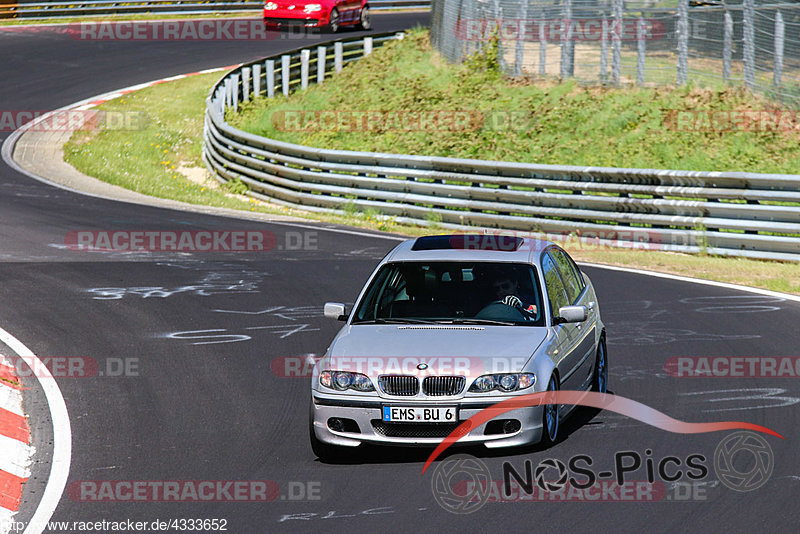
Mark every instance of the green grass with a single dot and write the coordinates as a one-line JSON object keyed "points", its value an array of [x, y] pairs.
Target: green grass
{"points": [[169, 119], [145, 159], [564, 123]]}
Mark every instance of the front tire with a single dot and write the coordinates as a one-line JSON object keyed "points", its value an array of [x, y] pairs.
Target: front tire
{"points": [[600, 378], [550, 416], [365, 22], [333, 21]]}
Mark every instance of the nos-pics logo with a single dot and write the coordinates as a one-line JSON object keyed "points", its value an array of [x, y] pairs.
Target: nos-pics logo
{"points": [[461, 484]]}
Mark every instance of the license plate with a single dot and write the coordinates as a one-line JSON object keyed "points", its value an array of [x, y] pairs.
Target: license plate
{"points": [[417, 414]]}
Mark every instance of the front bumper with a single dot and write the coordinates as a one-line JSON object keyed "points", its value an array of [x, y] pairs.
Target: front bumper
{"points": [[366, 413], [281, 18]]}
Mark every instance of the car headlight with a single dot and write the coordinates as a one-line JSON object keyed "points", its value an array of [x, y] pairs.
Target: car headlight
{"points": [[505, 382], [344, 380], [270, 6], [312, 8]]}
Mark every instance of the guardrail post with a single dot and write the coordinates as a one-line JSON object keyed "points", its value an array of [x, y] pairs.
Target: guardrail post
{"points": [[270, 65], [542, 47], [641, 50], [286, 62], [338, 53], [367, 46], [604, 50], [219, 100], [305, 57], [228, 92], [246, 84], [727, 47], [778, 63], [749, 44], [256, 80], [616, 42], [683, 41], [321, 55], [235, 92]]}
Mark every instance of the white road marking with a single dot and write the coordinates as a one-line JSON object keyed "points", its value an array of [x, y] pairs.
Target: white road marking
{"points": [[6, 520], [16, 457], [9, 400], [62, 435]]}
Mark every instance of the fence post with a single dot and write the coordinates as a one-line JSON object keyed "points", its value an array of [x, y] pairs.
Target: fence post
{"points": [[498, 17], [286, 63], [683, 41], [567, 65], [321, 53], [235, 92], [305, 57], [604, 50], [367, 46], [270, 78], [228, 92], [778, 64], [256, 80], [519, 51], [727, 47], [542, 47], [246, 84], [749, 44], [616, 43], [338, 52], [640, 49]]}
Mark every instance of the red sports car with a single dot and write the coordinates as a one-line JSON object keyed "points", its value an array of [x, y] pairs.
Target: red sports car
{"points": [[332, 14]]}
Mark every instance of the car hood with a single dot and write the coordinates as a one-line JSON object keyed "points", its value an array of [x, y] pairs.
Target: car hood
{"points": [[445, 350]]}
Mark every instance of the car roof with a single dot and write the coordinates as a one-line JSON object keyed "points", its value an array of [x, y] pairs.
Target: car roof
{"points": [[470, 247]]}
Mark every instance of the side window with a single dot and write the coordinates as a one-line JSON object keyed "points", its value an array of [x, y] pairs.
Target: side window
{"points": [[573, 282], [556, 293]]}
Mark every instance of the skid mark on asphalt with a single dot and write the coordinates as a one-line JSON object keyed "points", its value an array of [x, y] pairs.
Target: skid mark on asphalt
{"points": [[745, 398], [219, 279], [735, 304], [652, 323]]}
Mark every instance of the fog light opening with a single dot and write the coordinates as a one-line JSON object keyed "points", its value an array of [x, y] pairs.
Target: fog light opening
{"points": [[336, 424], [510, 426]]}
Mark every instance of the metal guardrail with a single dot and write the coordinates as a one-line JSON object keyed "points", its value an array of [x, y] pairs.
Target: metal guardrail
{"points": [[96, 8], [726, 213]]}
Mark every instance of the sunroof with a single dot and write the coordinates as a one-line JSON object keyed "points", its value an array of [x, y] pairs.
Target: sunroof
{"points": [[500, 243]]}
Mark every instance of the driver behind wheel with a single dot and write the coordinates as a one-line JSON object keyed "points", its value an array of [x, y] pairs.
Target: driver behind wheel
{"points": [[506, 291]]}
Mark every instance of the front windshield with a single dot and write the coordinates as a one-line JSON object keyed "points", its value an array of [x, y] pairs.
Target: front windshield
{"points": [[453, 292]]}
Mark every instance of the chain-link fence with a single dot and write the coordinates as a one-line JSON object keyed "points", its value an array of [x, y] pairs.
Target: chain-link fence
{"points": [[613, 41]]}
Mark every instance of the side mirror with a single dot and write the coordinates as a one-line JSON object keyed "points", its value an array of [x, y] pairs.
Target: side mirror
{"points": [[571, 314], [335, 310]]}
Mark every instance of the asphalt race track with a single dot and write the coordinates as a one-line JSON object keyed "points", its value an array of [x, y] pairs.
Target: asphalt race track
{"points": [[203, 400]]}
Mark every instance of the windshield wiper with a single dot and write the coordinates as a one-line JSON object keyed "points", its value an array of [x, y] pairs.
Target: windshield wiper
{"points": [[397, 320], [463, 320]]}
